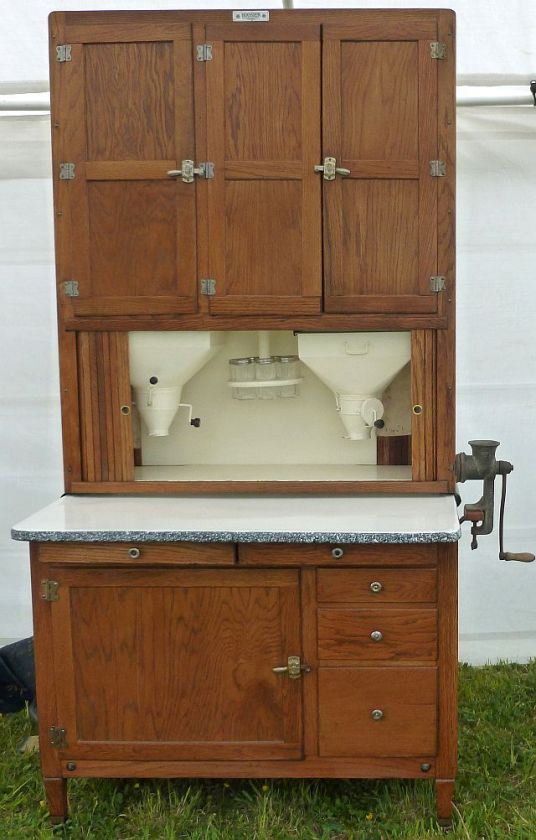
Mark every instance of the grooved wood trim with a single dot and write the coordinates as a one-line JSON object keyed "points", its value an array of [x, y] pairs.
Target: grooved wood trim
{"points": [[423, 395], [104, 382]]}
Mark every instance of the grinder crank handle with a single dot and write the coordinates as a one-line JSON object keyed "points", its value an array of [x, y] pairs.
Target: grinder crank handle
{"points": [[520, 556]]}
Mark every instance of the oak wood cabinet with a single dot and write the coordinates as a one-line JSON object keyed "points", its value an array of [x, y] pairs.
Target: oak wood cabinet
{"points": [[160, 662]]}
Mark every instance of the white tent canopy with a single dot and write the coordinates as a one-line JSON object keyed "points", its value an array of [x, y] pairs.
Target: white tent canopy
{"points": [[496, 302]]}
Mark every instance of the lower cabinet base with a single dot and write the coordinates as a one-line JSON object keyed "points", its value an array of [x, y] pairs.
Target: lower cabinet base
{"points": [[414, 768]]}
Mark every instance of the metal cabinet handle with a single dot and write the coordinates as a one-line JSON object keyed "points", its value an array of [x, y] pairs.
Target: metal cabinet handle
{"points": [[340, 170], [337, 553], [329, 169], [376, 714], [376, 586], [134, 553], [376, 636], [187, 171]]}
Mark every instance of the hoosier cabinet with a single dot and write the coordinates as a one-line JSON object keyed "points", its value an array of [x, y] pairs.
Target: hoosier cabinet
{"points": [[253, 570]]}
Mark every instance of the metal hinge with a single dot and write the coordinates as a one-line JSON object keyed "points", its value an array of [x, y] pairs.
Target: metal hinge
{"points": [[438, 168], [63, 53], [438, 283], [438, 49], [49, 590], [207, 286], [57, 737], [204, 52], [66, 171], [206, 169], [70, 288]]}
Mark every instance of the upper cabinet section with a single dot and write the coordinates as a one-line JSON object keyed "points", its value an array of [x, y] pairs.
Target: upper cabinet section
{"points": [[289, 167]]}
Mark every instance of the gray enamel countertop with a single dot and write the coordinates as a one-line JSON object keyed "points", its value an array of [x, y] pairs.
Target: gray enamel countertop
{"points": [[304, 519]]}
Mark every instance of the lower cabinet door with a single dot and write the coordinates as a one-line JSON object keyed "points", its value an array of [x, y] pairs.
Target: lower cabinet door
{"points": [[377, 711], [177, 664]]}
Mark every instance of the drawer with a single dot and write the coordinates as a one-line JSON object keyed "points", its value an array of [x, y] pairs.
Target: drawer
{"points": [[377, 711], [138, 554], [376, 586], [377, 635], [300, 554]]}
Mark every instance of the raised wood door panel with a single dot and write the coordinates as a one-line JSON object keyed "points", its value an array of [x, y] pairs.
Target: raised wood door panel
{"points": [[263, 134], [380, 122], [405, 698], [125, 112], [177, 664]]}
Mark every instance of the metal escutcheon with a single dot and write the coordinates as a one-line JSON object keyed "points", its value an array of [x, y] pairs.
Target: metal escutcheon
{"points": [[376, 714], [134, 553], [337, 553], [375, 586], [376, 635]]}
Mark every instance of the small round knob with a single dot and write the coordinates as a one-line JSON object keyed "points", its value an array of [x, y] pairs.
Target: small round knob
{"points": [[417, 409], [426, 767], [376, 635], [125, 409], [71, 765], [375, 586], [376, 714], [134, 553], [337, 553]]}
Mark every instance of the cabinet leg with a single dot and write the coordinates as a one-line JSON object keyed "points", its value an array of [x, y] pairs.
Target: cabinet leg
{"points": [[444, 797], [56, 793]]}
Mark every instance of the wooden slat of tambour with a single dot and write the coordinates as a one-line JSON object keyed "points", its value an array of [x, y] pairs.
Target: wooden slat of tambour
{"points": [[85, 407], [107, 398], [446, 361], [124, 398], [427, 183], [418, 428], [70, 408]]}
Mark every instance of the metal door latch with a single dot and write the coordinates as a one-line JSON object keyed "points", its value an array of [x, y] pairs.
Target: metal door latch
{"points": [[189, 170], [330, 169], [293, 668]]}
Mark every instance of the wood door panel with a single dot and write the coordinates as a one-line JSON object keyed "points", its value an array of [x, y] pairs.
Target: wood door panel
{"points": [[380, 235], [139, 126], [407, 698], [380, 80], [262, 100], [380, 222], [345, 634], [263, 221], [128, 111], [263, 130], [133, 240], [179, 664]]}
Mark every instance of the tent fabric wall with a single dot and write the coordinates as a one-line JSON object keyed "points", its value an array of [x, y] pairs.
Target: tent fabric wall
{"points": [[496, 315]]}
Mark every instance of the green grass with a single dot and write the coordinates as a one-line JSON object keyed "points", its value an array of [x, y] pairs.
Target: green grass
{"points": [[495, 798]]}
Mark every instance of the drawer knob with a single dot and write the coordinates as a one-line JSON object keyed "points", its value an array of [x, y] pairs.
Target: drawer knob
{"points": [[376, 714], [375, 586], [376, 635], [337, 553], [134, 553]]}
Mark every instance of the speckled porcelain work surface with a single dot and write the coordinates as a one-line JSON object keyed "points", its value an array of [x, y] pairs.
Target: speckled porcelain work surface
{"points": [[305, 519]]}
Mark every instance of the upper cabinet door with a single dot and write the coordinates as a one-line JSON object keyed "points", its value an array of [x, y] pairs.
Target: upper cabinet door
{"points": [[380, 122], [125, 113], [263, 135]]}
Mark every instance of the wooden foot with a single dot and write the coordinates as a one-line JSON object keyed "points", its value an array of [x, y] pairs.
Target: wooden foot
{"points": [[56, 793], [444, 796]]}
